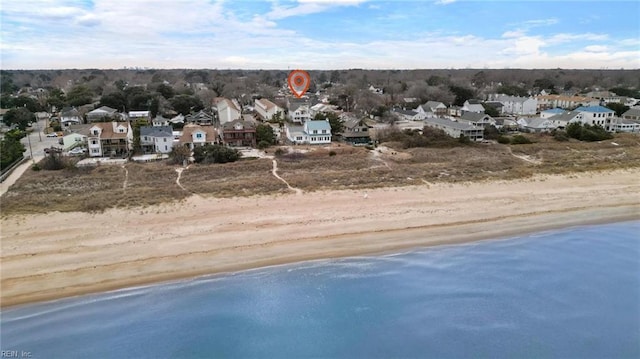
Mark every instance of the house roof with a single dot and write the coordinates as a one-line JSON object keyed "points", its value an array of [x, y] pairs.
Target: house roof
{"points": [[538, 122], [354, 122], [81, 129], [634, 111], [597, 109], [266, 104], [318, 125], [452, 124], [406, 112], [295, 130], [160, 118], [473, 116], [102, 110], [566, 98], [566, 116], [156, 131], [231, 126], [225, 102], [188, 130], [201, 115], [109, 127], [69, 112], [434, 104]]}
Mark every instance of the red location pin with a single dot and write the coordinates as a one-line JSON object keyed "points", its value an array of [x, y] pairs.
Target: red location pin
{"points": [[298, 82]]}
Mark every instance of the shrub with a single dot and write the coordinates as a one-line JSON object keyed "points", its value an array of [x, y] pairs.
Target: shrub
{"points": [[520, 140], [36, 167], [215, 154], [560, 136], [369, 147], [280, 152], [263, 144], [504, 140], [587, 132], [332, 153]]}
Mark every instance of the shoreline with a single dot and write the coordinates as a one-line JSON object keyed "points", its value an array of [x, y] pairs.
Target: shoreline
{"points": [[57, 255]]}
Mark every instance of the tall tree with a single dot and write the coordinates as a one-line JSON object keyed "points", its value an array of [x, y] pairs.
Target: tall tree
{"points": [[80, 95], [20, 117], [334, 121]]}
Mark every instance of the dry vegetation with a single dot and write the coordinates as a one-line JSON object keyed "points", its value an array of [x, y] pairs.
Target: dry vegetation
{"points": [[104, 187]]}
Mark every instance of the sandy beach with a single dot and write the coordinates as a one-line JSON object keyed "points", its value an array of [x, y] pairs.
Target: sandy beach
{"points": [[57, 255]]}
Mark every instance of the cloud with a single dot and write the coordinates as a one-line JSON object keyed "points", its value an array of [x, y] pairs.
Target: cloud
{"points": [[444, 2], [307, 7]]}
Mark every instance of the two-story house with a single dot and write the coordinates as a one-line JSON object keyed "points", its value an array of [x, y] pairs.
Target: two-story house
{"points": [[195, 135], [110, 139], [156, 139], [70, 116], [200, 118], [239, 133], [299, 110], [356, 131], [267, 109], [317, 132], [598, 115]]}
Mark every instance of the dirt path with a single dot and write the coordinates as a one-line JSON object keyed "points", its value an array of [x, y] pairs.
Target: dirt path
{"points": [[525, 158], [180, 170], [126, 177], [274, 171]]}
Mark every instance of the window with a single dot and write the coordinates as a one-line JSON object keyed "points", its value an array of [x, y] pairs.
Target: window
{"points": [[324, 131], [198, 135], [165, 140], [165, 147], [94, 142], [315, 132]]}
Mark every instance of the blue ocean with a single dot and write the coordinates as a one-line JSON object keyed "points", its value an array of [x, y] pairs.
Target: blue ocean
{"points": [[571, 293]]}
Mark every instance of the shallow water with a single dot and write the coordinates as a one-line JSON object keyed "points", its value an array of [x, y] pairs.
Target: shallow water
{"points": [[568, 293]]}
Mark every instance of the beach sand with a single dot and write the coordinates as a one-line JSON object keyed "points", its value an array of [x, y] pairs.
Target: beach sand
{"points": [[57, 255]]}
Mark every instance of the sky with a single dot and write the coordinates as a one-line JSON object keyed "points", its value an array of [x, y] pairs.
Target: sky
{"points": [[319, 34]]}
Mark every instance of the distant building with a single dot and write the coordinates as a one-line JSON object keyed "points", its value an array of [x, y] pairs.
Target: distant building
{"points": [[566, 102], [632, 114], [69, 116], [299, 110], [311, 132], [102, 114], [472, 106], [597, 115], [516, 105], [227, 110]]}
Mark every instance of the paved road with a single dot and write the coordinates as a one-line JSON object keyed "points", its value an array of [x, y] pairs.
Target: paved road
{"points": [[38, 143]]}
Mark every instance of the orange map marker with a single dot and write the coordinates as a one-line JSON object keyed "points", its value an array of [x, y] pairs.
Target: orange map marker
{"points": [[299, 82]]}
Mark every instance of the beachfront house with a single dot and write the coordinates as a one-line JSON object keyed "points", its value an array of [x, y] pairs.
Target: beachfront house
{"points": [[156, 139], [195, 135], [456, 129], [110, 139]]}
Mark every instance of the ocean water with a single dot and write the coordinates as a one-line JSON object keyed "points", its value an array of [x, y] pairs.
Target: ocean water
{"points": [[572, 293]]}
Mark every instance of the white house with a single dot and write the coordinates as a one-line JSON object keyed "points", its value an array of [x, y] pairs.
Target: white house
{"points": [[551, 112], [227, 110], [299, 111], [597, 115], [477, 119], [432, 108], [409, 115], [311, 132], [538, 124], [70, 116], [267, 109], [632, 114], [561, 120], [156, 139], [626, 125], [139, 114], [516, 105], [159, 120], [472, 106]]}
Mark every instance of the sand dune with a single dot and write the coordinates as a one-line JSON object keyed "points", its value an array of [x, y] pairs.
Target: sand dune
{"points": [[63, 254]]}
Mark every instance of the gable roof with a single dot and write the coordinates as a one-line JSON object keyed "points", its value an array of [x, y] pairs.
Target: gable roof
{"points": [[188, 130], [538, 122], [231, 126], [452, 124], [318, 125], [108, 129], [156, 131], [434, 104], [405, 112], [566, 116], [474, 116], [634, 111]]}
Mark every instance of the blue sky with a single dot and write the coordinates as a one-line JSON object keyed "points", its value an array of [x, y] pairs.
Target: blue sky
{"points": [[319, 34]]}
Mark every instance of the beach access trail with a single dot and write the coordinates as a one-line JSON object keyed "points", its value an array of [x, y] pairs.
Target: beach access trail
{"points": [[54, 255]]}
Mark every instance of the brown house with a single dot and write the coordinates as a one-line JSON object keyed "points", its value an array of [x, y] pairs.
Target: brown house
{"points": [[239, 133]]}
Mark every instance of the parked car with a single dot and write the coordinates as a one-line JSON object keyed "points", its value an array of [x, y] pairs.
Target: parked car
{"points": [[77, 151], [52, 134]]}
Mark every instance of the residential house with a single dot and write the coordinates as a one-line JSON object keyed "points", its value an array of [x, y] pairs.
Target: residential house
{"points": [[195, 135], [539, 124], [70, 116], [156, 139], [506, 123], [472, 106], [455, 111], [110, 139], [101, 114], [565, 102], [435, 107], [159, 121], [239, 133], [322, 108], [477, 119], [177, 120], [424, 111], [75, 136], [551, 112], [626, 125], [408, 115], [356, 131], [516, 105], [267, 109], [299, 110], [227, 110], [456, 129], [200, 118], [139, 115], [632, 114], [597, 115], [311, 132], [561, 120], [318, 132]]}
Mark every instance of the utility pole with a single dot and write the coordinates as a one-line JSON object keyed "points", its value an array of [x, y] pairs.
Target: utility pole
{"points": [[30, 149]]}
